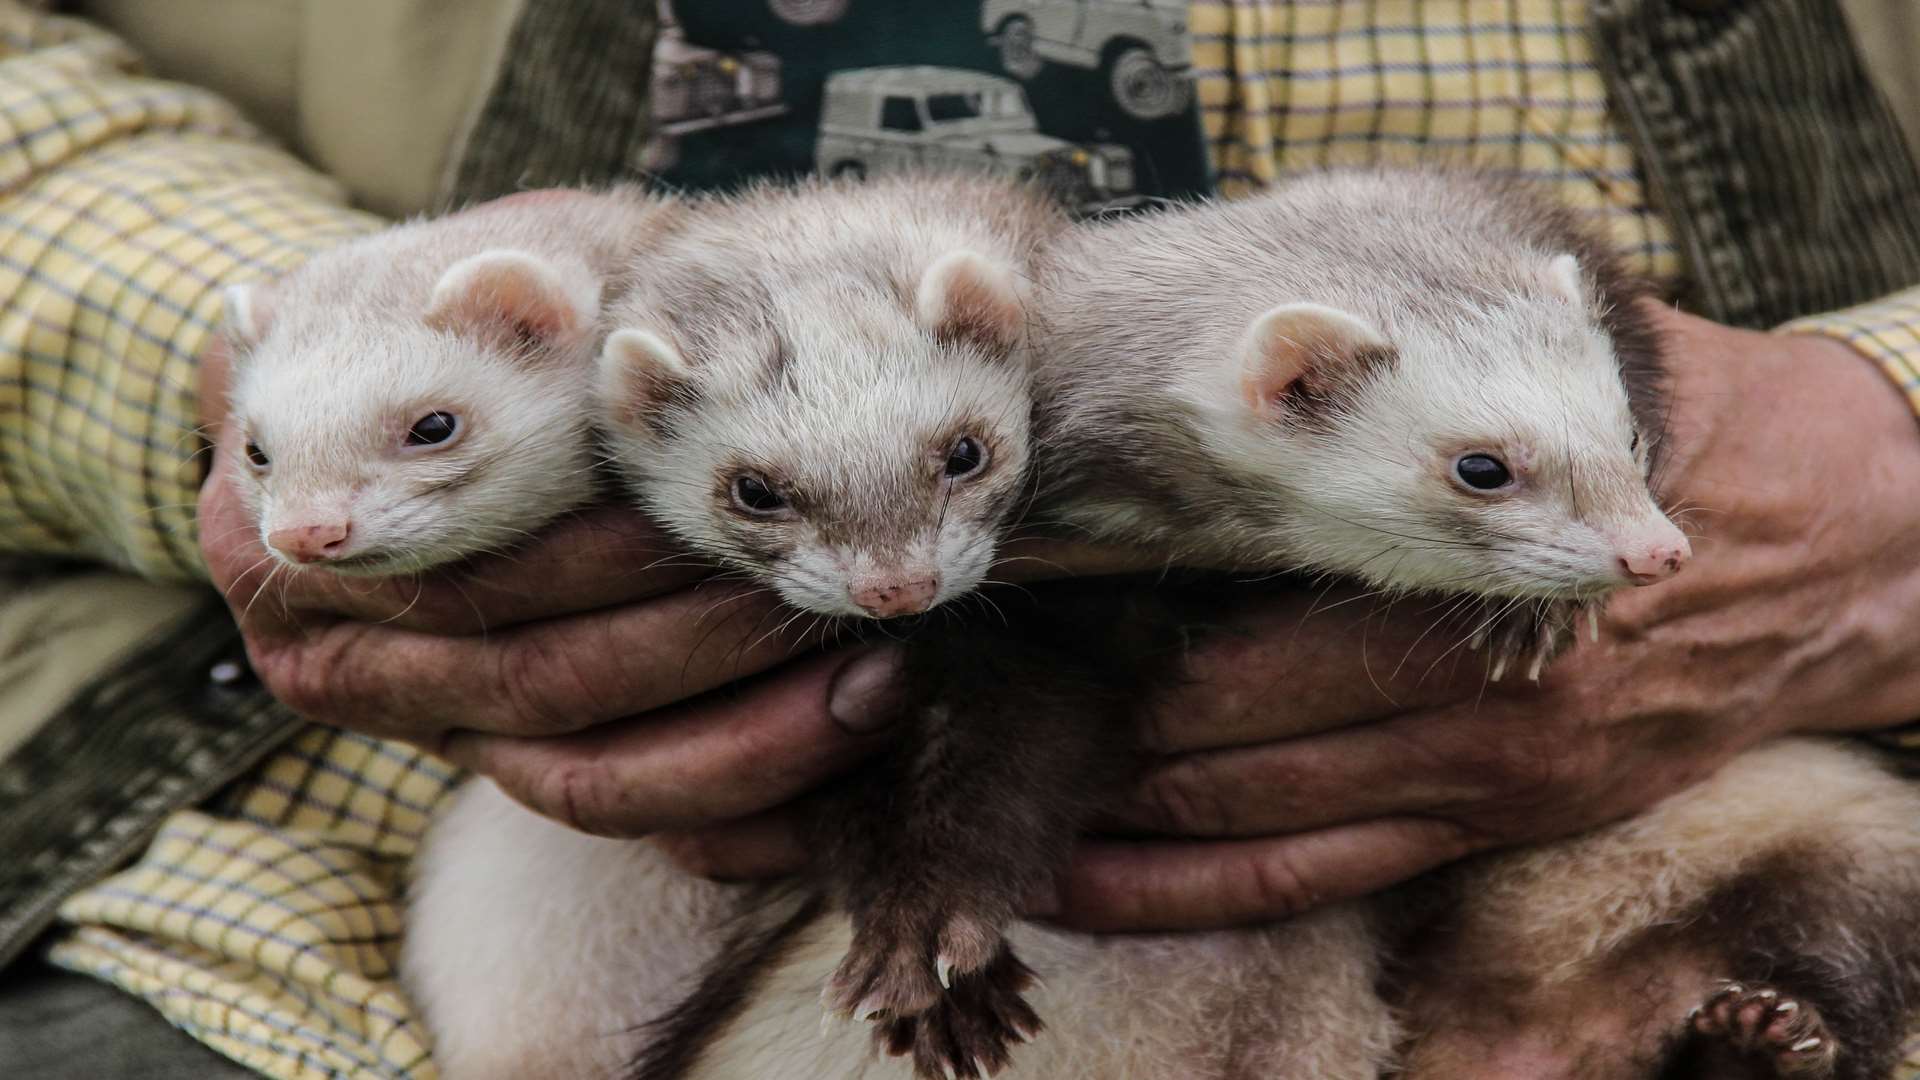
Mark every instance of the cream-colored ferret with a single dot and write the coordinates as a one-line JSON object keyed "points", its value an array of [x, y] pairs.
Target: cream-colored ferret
{"points": [[425, 393], [1431, 382]]}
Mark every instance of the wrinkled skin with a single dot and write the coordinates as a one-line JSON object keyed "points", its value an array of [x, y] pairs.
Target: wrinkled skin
{"points": [[1306, 757]]}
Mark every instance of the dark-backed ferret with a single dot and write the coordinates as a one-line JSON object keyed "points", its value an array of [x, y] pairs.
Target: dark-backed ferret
{"points": [[425, 393], [1384, 376], [824, 387]]}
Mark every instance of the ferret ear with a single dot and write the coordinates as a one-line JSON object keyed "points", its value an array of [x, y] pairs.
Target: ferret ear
{"points": [[639, 372], [965, 296], [246, 312], [514, 292], [1297, 349], [1563, 277]]}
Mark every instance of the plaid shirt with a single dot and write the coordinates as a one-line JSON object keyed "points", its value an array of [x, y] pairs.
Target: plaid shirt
{"points": [[266, 924]]}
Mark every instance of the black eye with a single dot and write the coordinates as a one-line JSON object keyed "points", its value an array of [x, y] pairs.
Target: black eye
{"points": [[1482, 472], [967, 456], [1634, 446], [257, 457], [752, 494], [433, 429]]}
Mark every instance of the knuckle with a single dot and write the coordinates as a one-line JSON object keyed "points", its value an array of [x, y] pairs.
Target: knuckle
{"points": [[1185, 798], [539, 685], [583, 797], [1279, 888]]}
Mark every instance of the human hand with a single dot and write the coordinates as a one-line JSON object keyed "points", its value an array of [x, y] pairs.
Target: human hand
{"points": [[525, 666], [1310, 759]]}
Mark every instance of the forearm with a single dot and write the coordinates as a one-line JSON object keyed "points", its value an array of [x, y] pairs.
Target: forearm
{"points": [[129, 203]]}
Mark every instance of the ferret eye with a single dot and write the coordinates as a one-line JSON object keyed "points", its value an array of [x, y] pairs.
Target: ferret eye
{"points": [[433, 429], [257, 457], [750, 493], [1482, 472], [966, 458], [1634, 446]]}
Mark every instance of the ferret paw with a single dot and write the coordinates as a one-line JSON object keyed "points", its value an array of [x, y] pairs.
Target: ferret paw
{"points": [[971, 1031], [1778, 1037], [900, 967]]}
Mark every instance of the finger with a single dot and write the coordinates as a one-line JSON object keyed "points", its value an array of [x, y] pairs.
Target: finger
{"points": [[1356, 774], [596, 558], [763, 846], [1277, 664], [545, 678], [718, 759], [1210, 886]]}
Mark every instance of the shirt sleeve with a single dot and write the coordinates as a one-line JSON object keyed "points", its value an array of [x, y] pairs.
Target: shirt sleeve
{"points": [[1886, 331], [126, 204]]}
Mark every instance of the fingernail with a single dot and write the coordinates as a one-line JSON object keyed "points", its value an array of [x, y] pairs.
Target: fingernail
{"points": [[866, 693]]}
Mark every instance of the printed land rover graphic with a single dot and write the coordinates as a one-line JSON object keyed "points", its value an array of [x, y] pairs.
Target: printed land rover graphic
{"points": [[875, 120], [1140, 45], [808, 12], [697, 89]]}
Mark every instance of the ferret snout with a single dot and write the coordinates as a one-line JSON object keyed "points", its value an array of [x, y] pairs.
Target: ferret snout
{"points": [[1644, 561], [311, 542], [891, 597]]}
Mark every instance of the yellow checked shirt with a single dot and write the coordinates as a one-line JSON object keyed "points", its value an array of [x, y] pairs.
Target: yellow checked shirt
{"points": [[267, 924]]}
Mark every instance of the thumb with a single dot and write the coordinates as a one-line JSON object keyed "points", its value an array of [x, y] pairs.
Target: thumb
{"points": [[1119, 886]]}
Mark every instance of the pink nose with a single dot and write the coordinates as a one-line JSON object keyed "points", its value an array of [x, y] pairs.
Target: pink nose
{"points": [[311, 543], [1656, 562], [888, 599]]}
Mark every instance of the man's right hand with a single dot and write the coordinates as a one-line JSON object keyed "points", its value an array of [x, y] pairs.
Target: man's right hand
{"points": [[529, 666]]}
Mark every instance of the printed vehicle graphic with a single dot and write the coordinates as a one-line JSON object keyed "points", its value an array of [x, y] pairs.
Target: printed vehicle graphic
{"points": [[808, 12], [698, 89], [875, 120], [1140, 45]]}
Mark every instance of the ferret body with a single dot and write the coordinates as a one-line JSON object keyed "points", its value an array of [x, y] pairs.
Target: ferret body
{"points": [[1297, 381], [425, 393], [822, 386]]}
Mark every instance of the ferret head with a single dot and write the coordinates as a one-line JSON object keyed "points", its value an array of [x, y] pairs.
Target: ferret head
{"points": [[379, 439], [860, 450], [1483, 446]]}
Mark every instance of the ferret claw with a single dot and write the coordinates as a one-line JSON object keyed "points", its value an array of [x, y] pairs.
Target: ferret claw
{"points": [[866, 1011], [1769, 995], [1533, 669], [1786, 1007], [1593, 624], [943, 970], [1806, 1044], [1499, 669]]}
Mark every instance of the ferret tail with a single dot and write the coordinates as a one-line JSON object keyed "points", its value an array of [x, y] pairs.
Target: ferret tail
{"points": [[769, 920]]}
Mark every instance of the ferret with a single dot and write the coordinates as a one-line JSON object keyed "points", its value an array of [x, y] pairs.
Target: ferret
{"points": [[425, 393], [1429, 382], [823, 387]]}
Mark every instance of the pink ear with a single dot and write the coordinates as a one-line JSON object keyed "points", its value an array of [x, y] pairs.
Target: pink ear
{"points": [[516, 292], [639, 371], [246, 312], [965, 296], [1296, 343]]}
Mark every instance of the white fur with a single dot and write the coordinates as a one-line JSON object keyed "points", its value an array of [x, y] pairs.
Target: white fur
{"points": [[1146, 322], [534, 950], [367, 338], [869, 394]]}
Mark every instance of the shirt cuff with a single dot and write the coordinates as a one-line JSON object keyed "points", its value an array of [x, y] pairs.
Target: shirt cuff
{"points": [[1886, 331], [126, 204]]}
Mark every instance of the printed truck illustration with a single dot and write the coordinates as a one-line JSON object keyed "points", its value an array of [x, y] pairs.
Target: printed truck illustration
{"points": [[1140, 45], [808, 12], [875, 120], [697, 89]]}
